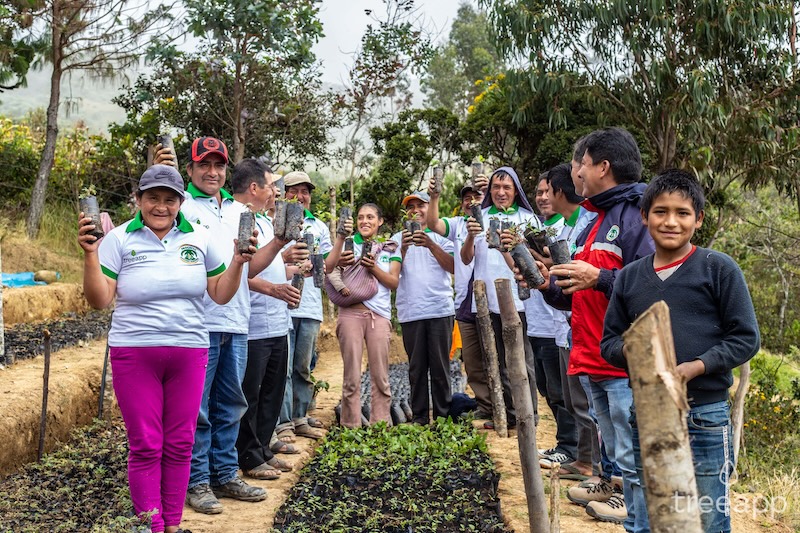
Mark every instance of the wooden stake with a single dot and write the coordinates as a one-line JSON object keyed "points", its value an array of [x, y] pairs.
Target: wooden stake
{"points": [[332, 194], [486, 336], [45, 388], [659, 395], [737, 413], [514, 339], [555, 497]]}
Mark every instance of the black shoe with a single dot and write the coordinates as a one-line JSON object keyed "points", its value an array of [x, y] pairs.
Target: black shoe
{"points": [[239, 490]]}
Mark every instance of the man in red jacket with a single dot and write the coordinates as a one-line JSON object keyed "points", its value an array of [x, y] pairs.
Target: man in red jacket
{"points": [[610, 171]]}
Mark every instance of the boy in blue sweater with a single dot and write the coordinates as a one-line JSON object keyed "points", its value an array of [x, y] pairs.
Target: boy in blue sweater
{"points": [[713, 325]]}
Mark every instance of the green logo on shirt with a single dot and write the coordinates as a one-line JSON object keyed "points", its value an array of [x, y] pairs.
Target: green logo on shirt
{"points": [[133, 253], [189, 254], [612, 233]]}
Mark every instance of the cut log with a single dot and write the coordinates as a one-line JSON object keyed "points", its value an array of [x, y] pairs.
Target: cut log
{"points": [[514, 342], [555, 497], [491, 361], [737, 412], [659, 395]]}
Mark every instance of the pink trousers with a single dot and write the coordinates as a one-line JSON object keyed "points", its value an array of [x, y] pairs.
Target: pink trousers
{"points": [[353, 327], [158, 390]]}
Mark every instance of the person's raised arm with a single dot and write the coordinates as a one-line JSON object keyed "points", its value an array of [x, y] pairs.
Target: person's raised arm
{"points": [[432, 219], [468, 248], [222, 287], [389, 279], [97, 286]]}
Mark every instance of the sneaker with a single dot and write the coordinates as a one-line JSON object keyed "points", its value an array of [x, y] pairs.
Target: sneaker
{"points": [[239, 490], [597, 492], [553, 456], [202, 500], [612, 510]]}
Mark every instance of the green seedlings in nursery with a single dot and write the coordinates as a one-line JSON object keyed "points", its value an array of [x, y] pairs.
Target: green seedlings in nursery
{"points": [[90, 208]]}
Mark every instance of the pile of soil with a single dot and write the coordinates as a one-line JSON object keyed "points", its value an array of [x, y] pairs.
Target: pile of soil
{"points": [[25, 341], [406, 478]]}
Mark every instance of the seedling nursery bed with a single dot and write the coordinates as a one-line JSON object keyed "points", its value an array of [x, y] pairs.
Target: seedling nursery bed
{"points": [[406, 478]]}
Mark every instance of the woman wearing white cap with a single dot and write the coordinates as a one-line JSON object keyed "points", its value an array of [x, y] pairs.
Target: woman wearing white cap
{"points": [[158, 266]]}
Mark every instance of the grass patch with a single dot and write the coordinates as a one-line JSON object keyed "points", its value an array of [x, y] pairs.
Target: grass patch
{"points": [[435, 478], [81, 487], [769, 462]]}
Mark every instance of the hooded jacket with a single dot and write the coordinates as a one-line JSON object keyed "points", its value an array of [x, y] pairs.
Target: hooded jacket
{"points": [[520, 197], [617, 237]]}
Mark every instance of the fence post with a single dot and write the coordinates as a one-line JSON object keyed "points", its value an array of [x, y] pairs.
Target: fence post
{"points": [[659, 395], [489, 349], [514, 339], [10, 361]]}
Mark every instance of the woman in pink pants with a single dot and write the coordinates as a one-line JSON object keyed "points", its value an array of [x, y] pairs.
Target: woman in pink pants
{"points": [[370, 322], [158, 266]]}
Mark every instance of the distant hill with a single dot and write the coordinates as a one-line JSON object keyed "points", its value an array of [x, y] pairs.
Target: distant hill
{"points": [[95, 108]]}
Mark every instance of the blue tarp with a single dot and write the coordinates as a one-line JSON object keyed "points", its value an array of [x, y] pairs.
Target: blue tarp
{"points": [[20, 279]]}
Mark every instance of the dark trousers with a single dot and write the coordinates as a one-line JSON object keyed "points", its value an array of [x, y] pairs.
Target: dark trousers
{"points": [[549, 383], [511, 414], [588, 450], [427, 343], [263, 386]]}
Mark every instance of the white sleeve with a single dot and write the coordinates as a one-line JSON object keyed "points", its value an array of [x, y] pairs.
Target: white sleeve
{"points": [[110, 254]]}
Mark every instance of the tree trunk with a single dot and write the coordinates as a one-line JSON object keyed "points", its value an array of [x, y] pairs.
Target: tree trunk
{"points": [[238, 116], [489, 349], [514, 342], [737, 411], [51, 133], [659, 395]]}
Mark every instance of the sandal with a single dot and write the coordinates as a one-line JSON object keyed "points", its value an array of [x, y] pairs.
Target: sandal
{"points": [[280, 464], [314, 423], [286, 435], [570, 471], [263, 471], [304, 430], [283, 447]]}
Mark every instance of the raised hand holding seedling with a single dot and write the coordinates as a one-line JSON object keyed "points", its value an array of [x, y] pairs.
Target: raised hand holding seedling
{"points": [[86, 240], [240, 255], [420, 238]]}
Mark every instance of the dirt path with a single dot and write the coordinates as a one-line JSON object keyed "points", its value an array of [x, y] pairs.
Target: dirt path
{"points": [[77, 370]]}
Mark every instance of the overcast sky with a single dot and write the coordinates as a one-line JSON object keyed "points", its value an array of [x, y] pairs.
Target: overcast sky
{"points": [[344, 22]]}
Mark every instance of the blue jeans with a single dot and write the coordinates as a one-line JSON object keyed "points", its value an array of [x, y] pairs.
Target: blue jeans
{"points": [[711, 441], [612, 401], [608, 467], [214, 456], [299, 387]]}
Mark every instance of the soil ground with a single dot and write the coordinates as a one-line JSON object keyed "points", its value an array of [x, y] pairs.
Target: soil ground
{"points": [[79, 369]]}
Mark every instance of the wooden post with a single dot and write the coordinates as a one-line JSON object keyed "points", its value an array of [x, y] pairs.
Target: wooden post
{"points": [[659, 395], [486, 336], [514, 339], [737, 412], [45, 389], [555, 498]]}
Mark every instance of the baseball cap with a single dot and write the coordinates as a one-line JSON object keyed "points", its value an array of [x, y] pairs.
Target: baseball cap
{"points": [[419, 195], [162, 176], [467, 188], [296, 178], [203, 146]]}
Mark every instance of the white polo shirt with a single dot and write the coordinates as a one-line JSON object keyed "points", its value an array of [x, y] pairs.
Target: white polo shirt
{"points": [[311, 301], [381, 303], [490, 264], [269, 317], [223, 223], [425, 289], [160, 283], [456, 232]]}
